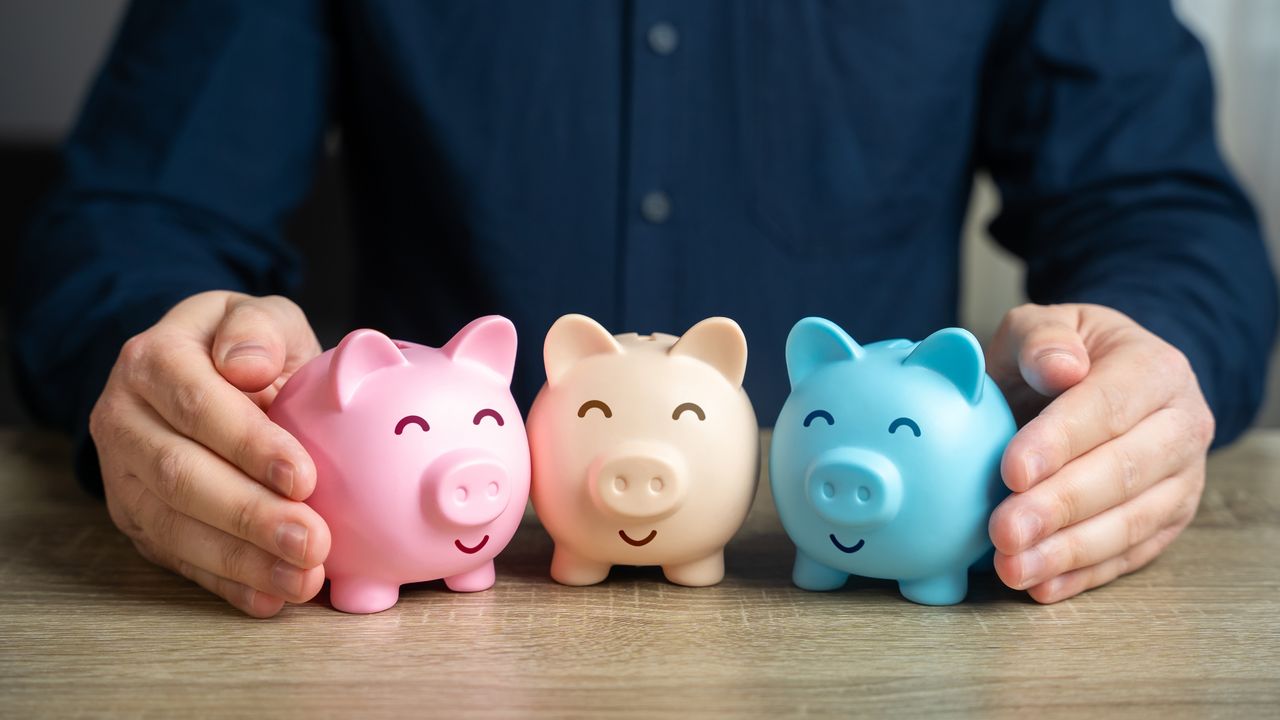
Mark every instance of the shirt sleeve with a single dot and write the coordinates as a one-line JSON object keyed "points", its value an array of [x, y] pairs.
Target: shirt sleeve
{"points": [[201, 131], [1098, 130]]}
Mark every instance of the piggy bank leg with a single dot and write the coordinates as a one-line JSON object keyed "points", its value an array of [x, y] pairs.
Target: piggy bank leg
{"points": [[699, 573], [809, 574], [946, 589], [475, 580], [568, 568], [362, 595]]}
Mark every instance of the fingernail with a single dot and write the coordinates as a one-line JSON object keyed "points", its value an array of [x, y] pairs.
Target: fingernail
{"points": [[291, 538], [1031, 563], [246, 349], [1029, 527], [1035, 465], [287, 579], [1056, 354], [280, 475]]}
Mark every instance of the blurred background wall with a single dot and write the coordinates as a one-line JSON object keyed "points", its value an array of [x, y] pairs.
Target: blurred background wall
{"points": [[49, 50]]}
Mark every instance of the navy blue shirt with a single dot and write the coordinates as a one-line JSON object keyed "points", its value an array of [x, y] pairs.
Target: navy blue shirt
{"points": [[649, 163]]}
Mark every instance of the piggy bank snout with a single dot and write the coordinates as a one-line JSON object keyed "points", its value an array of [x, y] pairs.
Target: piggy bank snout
{"points": [[468, 489], [855, 488], [638, 481]]}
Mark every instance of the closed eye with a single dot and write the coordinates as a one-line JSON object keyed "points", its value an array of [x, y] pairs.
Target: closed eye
{"points": [[408, 420], [582, 411], [808, 420], [487, 412], [690, 407], [904, 422]]}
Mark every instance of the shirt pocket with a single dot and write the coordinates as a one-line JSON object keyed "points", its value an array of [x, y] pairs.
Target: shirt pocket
{"points": [[857, 120]]}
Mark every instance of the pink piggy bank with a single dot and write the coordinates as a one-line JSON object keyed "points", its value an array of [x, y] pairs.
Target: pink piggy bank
{"points": [[645, 449], [422, 463]]}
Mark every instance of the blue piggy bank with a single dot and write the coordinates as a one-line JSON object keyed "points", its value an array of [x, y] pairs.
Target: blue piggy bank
{"points": [[885, 460]]}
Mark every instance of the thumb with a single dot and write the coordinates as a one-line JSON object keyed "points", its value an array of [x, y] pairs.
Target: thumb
{"points": [[258, 338], [1045, 345]]}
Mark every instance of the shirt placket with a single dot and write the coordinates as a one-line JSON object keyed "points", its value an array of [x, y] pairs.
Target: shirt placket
{"points": [[651, 216]]}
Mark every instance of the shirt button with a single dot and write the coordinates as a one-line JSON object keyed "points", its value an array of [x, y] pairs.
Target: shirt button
{"points": [[663, 38], [655, 207]]}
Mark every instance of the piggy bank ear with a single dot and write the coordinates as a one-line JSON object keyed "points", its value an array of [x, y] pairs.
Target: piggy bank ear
{"points": [[572, 338], [956, 355], [719, 342], [815, 342], [489, 342], [361, 353]]}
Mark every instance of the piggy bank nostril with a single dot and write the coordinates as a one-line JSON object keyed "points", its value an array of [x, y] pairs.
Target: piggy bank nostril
{"points": [[642, 483], [828, 490], [493, 489], [460, 494], [864, 493]]}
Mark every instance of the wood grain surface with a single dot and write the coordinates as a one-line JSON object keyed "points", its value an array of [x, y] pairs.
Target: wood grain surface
{"points": [[87, 628]]}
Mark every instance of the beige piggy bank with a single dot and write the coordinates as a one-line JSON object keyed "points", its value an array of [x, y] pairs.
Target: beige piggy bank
{"points": [[645, 449]]}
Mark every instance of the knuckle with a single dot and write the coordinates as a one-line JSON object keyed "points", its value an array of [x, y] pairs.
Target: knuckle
{"points": [[1172, 362], [1066, 506], [164, 530], [1140, 525], [1203, 427], [136, 351], [1187, 506], [134, 362], [1057, 436], [1074, 553], [122, 516], [174, 475], [248, 313], [107, 422], [100, 419], [245, 518], [143, 357], [287, 306], [185, 569], [1020, 314], [191, 403], [1126, 563], [1128, 473], [234, 560], [1166, 536], [1197, 487], [246, 449]]}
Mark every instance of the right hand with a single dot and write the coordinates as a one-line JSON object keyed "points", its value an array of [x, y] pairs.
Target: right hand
{"points": [[194, 471]]}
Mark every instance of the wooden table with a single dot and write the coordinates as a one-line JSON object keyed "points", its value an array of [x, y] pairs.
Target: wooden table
{"points": [[89, 628]]}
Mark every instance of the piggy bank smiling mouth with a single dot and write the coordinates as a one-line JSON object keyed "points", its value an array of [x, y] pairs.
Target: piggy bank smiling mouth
{"points": [[847, 549], [473, 549], [637, 543]]}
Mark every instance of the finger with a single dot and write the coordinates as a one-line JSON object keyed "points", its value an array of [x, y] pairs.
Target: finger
{"points": [[258, 337], [178, 379], [1042, 346], [1102, 478], [1124, 386], [242, 597], [225, 556], [194, 481], [1075, 582], [1102, 536]]}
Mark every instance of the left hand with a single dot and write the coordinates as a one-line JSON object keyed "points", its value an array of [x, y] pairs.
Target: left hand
{"points": [[1110, 464]]}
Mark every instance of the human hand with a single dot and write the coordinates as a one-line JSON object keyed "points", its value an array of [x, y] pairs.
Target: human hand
{"points": [[194, 472], [1110, 464]]}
